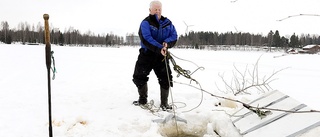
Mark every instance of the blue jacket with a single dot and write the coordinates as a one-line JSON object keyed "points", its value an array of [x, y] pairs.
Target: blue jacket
{"points": [[153, 33]]}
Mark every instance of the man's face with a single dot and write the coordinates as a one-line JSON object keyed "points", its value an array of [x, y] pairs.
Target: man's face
{"points": [[156, 9]]}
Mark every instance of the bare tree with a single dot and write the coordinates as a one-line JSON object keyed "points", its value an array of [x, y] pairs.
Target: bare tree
{"points": [[5, 30], [25, 28], [40, 33], [243, 82]]}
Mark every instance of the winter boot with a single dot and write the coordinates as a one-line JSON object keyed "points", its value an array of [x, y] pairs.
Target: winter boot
{"points": [[143, 95], [164, 99]]}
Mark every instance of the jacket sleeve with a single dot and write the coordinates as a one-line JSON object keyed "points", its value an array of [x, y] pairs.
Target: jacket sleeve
{"points": [[172, 39], [147, 39]]}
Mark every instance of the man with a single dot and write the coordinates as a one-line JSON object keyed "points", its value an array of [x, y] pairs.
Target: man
{"points": [[157, 33]]}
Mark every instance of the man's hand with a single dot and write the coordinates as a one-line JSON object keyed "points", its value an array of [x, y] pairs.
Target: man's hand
{"points": [[164, 49], [164, 44]]}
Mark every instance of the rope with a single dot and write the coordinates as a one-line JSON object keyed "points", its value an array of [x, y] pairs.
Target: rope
{"points": [[173, 108], [151, 107], [187, 74], [54, 71]]}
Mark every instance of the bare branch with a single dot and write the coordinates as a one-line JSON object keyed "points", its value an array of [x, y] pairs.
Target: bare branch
{"points": [[241, 83], [299, 15]]}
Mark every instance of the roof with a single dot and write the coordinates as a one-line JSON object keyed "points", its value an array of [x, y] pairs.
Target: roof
{"points": [[309, 46]]}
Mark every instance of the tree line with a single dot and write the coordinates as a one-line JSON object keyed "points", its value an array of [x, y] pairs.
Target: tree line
{"points": [[26, 33], [31, 34], [273, 39]]}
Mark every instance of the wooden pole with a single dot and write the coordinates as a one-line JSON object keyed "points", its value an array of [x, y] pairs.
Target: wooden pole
{"points": [[48, 64]]}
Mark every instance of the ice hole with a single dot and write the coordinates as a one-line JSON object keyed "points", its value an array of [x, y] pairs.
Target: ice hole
{"points": [[191, 129]]}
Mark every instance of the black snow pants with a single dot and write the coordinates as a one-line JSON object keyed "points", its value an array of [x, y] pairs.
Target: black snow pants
{"points": [[147, 61]]}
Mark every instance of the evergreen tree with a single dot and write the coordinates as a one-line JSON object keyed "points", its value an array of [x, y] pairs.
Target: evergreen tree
{"points": [[2, 37], [270, 40], [108, 40], [9, 39], [284, 42], [277, 40], [294, 41], [61, 39]]}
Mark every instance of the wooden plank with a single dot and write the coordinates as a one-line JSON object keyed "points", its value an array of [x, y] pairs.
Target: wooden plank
{"points": [[279, 123], [273, 119], [267, 105], [305, 129], [288, 125], [263, 101]]}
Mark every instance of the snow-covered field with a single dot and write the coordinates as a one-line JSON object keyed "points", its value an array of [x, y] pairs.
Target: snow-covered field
{"points": [[93, 92]]}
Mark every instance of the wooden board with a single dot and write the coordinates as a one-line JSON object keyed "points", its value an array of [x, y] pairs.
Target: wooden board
{"points": [[278, 124]]}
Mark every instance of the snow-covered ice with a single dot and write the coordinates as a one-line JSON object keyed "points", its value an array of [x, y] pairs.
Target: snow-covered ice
{"points": [[93, 91]]}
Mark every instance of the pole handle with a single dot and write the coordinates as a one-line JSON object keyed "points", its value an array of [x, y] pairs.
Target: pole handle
{"points": [[47, 40], [46, 28]]}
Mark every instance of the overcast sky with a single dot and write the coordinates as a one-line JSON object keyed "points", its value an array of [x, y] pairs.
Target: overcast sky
{"points": [[124, 16]]}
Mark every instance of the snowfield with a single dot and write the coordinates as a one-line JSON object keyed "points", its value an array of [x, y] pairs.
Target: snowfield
{"points": [[93, 91]]}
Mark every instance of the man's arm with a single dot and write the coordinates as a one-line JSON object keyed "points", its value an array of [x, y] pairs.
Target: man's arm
{"points": [[147, 39], [172, 39]]}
